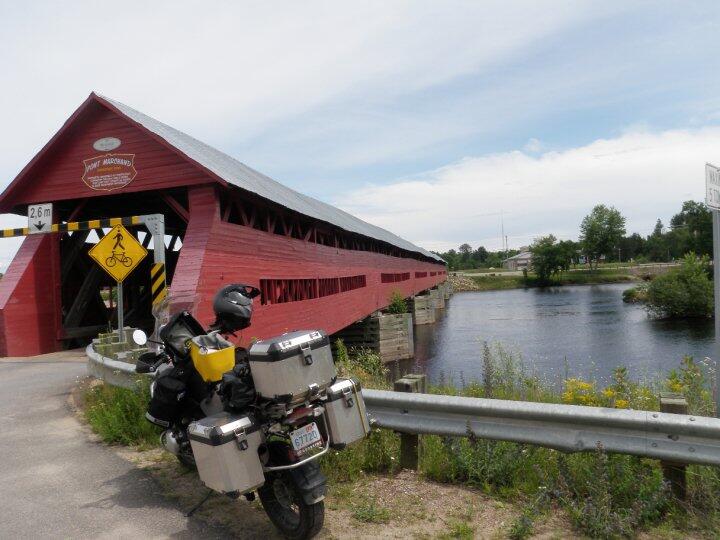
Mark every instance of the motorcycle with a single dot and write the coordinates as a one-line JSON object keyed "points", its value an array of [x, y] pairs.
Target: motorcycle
{"points": [[253, 421]]}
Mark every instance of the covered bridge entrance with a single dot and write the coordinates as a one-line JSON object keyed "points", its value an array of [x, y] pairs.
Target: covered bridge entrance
{"points": [[317, 266]]}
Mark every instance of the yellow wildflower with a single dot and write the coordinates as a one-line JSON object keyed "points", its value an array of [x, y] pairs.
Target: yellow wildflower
{"points": [[621, 404]]}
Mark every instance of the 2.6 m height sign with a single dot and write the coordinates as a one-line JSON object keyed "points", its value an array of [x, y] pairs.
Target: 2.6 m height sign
{"points": [[40, 218]]}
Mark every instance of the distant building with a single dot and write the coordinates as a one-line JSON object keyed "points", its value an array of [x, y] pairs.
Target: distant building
{"points": [[520, 261]]}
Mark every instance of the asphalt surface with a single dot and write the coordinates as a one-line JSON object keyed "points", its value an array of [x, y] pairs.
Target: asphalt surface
{"points": [[55, 482]]}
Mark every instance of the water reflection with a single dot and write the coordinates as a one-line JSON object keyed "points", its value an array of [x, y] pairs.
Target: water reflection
{"points": [[578, 331]]}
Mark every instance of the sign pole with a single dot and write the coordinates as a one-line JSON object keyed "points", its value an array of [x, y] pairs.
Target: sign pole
{"points": [[716, 280], [121, 321], [712, 200]]}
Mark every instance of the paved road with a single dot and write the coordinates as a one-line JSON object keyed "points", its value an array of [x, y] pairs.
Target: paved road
{"points": [[55, 483]]}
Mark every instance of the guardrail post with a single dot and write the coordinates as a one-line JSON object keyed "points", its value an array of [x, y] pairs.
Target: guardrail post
{"points": [[408, 441], [674, 472]]}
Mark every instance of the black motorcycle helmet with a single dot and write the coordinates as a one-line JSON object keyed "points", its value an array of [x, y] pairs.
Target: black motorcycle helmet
{"points": [[233, 307]]}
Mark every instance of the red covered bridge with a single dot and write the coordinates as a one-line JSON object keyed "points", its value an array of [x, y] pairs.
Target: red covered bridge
{"points": [[317, 266]]}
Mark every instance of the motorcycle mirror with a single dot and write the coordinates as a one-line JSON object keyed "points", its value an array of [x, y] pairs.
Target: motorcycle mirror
{"points": [[139, 337]]}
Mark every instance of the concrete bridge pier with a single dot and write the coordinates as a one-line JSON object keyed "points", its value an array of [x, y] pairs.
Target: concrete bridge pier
{"points": [[447, 289], [438, 297], [423, 309]]}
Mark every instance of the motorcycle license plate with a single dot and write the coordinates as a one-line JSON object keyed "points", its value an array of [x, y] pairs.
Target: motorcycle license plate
{"points": [[305, 438]]}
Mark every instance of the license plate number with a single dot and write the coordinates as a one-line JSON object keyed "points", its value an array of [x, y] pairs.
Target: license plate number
{"points": [[305, 438]]}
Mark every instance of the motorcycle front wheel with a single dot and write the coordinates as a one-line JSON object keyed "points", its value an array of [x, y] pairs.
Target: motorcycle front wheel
{"points": [[287, 510]]}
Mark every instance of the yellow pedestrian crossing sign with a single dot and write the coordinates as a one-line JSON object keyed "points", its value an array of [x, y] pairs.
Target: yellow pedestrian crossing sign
{"points": [[118, 253]]}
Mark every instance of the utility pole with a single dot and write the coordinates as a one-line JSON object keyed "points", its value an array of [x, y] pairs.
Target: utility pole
{"points": [[502, 234]]}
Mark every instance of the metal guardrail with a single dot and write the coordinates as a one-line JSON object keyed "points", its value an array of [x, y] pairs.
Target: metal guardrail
{"points": [[568, 428], [111, 371]]}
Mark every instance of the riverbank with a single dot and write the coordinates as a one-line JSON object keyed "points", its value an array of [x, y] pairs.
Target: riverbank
{"points": [[501, 282], [487, 488]]}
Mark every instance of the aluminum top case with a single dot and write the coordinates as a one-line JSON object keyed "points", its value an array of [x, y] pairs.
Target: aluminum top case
{"points": [[292, 368]]}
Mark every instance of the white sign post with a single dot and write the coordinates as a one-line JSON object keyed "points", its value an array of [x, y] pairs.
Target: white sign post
{"points": [[40, 218], [712, 200]]}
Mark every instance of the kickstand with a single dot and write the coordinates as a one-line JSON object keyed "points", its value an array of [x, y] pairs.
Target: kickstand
{"points": [[198, 505]]}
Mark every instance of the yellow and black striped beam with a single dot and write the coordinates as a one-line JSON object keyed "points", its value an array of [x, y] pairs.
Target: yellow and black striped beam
{"points": [[158, 283], [96, 224], [76, 226], [7, 233]]}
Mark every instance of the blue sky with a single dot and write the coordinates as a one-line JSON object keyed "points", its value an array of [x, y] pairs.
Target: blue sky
{"points": [[426, 118]]}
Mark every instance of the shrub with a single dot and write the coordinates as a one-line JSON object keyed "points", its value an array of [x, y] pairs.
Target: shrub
{"points": [[635, 295], [362, 364], [686, 291], [610, 496], [398, 304], [118, 415], [690, 381]]}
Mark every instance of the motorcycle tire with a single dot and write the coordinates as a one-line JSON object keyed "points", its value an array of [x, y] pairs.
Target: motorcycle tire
{"points": [[287, 510], [187, 460]]}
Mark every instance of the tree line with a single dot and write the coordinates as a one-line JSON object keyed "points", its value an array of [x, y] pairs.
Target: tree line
{"points": [[603, 238]]}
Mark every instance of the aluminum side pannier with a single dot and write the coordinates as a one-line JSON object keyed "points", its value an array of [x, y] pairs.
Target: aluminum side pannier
{"points": [[345, 412], [292, 368], [225, 447]]}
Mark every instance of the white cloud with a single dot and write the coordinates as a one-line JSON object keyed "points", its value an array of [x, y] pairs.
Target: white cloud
{"points": [[533, 146], [229, 73], [646, 175]]}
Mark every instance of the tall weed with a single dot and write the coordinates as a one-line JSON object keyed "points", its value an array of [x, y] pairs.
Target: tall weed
{"points": [[118, 414]]}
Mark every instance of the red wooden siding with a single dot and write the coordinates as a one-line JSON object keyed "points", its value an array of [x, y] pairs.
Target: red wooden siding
{"points": [[59, 175], [312, 275], [235, 253], [28, 311]]}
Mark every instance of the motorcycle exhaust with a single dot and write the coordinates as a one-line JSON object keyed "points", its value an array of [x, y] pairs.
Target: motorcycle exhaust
{"points": [[168, 440]]}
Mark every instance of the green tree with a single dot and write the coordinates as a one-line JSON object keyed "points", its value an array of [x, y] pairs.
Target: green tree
{"points": [[549, 257], [451, 258], [569, 253], [695, 221], [480, 255], [686, 291], [631, 247], [600, 232], [657, 245]]}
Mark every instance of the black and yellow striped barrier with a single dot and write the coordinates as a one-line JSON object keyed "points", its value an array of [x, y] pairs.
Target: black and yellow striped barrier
{"points": [[158, 283], [158, 279], [76, 226]]}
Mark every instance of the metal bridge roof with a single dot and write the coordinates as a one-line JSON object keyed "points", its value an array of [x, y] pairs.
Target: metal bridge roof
{"points": [[242, 176]]}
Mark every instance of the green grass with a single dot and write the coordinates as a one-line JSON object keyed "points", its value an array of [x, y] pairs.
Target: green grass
{"points": [[603, 495], [117, 415], [458, 529], [368, 512], [483, 271], [584, 277], [496, 283]]}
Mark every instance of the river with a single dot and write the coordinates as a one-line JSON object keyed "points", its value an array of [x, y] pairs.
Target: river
{"points": [[583, 331]]}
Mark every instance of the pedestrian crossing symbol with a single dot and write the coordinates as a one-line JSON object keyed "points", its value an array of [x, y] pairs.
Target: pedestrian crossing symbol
{"points": [[118, 253]]}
